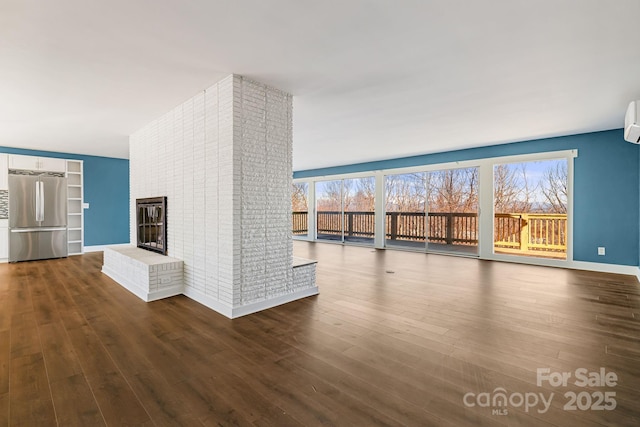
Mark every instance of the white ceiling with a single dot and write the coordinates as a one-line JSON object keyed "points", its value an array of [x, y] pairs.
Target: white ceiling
{"points": [[371, 79]]}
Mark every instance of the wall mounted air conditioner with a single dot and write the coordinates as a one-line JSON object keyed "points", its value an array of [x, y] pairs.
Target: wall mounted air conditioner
{"points": [[632, 123]]}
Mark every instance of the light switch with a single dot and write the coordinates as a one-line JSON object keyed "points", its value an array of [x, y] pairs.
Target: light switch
{"points": [[85, 206]]}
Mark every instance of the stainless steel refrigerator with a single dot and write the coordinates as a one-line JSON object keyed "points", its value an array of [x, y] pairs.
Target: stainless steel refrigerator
{"points": [[37, 217]]}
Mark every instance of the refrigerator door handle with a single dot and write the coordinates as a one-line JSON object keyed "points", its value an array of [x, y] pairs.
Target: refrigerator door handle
{"points": [[37, 201], [38, 229], [41, 200]]}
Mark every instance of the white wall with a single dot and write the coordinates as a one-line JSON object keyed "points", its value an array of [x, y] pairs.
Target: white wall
{"points": [[224, 161]]}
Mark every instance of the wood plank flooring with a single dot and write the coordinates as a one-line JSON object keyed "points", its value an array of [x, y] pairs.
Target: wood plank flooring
{"points": [[394, 338]]}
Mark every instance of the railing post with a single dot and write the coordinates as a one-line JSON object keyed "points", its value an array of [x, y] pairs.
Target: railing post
{"points": [[394, 225], [449, 229], [350, 223], [305, 222], [524, 232]]}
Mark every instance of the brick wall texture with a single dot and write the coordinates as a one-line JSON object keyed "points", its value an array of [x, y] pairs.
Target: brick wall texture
{"points": [[224, 161]]}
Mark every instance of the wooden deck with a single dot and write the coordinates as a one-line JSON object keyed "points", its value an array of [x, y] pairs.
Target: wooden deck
{"points": [[394, 338], [531, 253]]}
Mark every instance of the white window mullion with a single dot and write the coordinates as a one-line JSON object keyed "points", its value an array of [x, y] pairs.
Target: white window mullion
{"points": [[570, 166], [381, 213], [485, 210], [342, 195], [311, 211]]}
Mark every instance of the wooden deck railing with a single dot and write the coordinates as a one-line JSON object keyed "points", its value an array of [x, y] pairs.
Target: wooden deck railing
{"points": [[300, 223], [444, 227], [516, 231], [531, 232]]}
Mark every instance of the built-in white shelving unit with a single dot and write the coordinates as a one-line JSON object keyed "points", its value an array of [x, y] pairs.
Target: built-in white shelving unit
{"points": [[75, 200]]}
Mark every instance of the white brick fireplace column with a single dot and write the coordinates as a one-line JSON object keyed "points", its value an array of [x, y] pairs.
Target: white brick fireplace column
{"points": [[224, 161]]}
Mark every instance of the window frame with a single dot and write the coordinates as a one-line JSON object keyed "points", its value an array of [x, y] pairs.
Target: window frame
{"points": [[485, 201]]}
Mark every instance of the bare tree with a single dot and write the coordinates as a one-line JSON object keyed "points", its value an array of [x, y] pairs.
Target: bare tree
{"points": [[453, 190], [348, 195], [364, 199], [299, 197], [406, 193], [527, 190], [554, 188], [471, 203], [329, 198], [509, 191]]}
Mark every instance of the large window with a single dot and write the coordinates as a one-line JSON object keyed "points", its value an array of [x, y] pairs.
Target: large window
{"points": [[329, 210], [405, 204], [530, 207], [300, 208], [359, 209], [435, 210], [452, 210], [346, 210], [495, 208]]}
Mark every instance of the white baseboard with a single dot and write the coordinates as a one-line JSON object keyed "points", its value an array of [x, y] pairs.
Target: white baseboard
{"points": [[208, 302], [100, 248], [273, 302], [235, 312], [138, 291], [630, 270]]}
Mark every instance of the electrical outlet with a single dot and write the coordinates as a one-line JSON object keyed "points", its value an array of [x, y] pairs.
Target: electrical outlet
{"points": [[601, 250]]}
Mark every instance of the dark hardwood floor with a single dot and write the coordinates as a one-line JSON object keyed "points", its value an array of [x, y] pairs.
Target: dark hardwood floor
{"points": [[394, 338]]}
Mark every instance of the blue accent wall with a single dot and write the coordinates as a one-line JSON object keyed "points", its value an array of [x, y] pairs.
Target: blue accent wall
{"points": [[606, 188], [106, 189]]}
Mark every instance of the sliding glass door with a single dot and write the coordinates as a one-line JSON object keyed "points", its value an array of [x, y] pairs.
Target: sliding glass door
{"points": [[530, 208], [405, 205], [359, 209], [526, 205], [436, 211], [346, 210], [329, 210], [452, 210]]}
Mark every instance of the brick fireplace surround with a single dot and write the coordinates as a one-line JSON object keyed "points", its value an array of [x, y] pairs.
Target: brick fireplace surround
{"points": [[224, 161]]}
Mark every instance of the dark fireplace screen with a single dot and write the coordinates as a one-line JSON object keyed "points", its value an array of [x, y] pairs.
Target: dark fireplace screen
{"points": [[152, 224]]}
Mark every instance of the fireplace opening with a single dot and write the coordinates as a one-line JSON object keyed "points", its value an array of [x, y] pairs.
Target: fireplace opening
{"points": [[152, 224]]}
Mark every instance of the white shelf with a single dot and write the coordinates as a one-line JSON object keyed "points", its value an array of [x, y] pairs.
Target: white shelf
{"points": [[74, 179], [74, 193], [74, 166], [75, 214], [75, 248]]}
